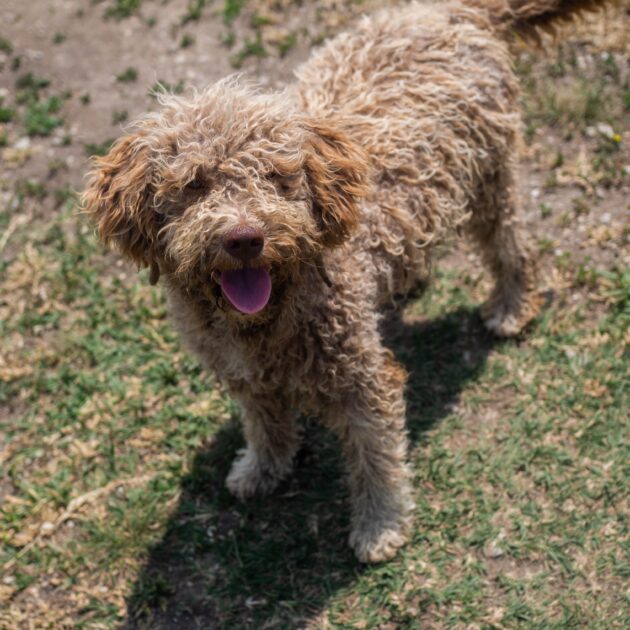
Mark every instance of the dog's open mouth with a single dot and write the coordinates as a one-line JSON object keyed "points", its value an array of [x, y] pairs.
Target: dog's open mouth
{"points": [[247, 289]]}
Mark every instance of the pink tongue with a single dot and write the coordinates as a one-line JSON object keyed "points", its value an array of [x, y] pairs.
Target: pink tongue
{"points": [[247, 289]]}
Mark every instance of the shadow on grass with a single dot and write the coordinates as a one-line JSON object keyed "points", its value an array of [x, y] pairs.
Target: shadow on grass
{"points": [[276, 561]]}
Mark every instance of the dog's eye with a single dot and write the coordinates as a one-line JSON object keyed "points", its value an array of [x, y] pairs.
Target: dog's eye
{"points": [[285, 184], [197, 183]]}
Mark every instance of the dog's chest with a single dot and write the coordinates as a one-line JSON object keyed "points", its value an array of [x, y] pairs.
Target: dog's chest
{"points": [[291, 368], [288, 363], [304, 359]]}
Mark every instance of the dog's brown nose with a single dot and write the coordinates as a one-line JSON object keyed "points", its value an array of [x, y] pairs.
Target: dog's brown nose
{"points": [[244, 242]]}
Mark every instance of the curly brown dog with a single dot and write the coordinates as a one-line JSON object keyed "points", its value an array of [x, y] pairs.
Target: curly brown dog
{"points": [[281, 223]]}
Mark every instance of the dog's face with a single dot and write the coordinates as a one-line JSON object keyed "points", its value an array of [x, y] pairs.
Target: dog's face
{"points": [[229, 188]]}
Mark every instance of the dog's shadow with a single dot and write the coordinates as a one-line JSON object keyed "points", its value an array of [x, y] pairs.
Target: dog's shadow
{"points": [[275, 561]]}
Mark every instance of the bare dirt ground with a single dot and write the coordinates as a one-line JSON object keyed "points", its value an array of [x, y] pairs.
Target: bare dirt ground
{"points": [[74, 72]]}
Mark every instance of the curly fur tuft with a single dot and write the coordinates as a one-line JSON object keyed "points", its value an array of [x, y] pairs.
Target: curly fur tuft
{"points": [[337, 172], [118, 199], [531, 18]]}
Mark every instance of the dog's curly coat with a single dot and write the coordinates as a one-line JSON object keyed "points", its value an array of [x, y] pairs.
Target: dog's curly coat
{"points": [[392, 134]]}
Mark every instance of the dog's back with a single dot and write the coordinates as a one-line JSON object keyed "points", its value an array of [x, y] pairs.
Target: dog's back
{"points": [[430, 92]]}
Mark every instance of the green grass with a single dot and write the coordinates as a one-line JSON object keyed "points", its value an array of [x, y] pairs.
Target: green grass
{"points": [[119, 116], [120, 9], [286, 44], [29, 86], [5, 46], [30, 188], [194, 11], [165, 87], [232, 9], [569, 97], [98, 148], [186, 41], [38, 108], [6, 113], [40, 120], [130, 75], [251, 48]]}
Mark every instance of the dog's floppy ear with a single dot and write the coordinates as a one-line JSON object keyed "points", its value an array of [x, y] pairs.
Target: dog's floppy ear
{"points": [[118, 197], [337, 173]]}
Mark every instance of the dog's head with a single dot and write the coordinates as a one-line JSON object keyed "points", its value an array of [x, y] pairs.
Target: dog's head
{"points": [[228, 187]]}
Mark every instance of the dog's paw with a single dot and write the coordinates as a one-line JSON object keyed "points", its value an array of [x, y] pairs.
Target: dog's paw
{"points": [[376, 544], [250, 474], [500, 321], [507, 319]]}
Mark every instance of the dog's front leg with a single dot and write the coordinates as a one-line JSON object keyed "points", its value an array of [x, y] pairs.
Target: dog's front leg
{"points": [[371, 425], [272, 441]]}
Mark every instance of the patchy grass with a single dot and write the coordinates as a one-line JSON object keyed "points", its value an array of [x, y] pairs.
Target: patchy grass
{"points": [[231, 10], [34, 106], [574, 92], [117, 447], [28, 87], [162, 86], [129, 75], [6, 113], [120, 9], [5, 46], [186, 41], [98, 148], [80, 428], [194, 11], [119, 116], [286, 43], [39, 119], [250, 48]]}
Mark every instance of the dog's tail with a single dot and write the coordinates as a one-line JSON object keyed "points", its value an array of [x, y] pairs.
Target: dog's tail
{"points": [[531, 18]]}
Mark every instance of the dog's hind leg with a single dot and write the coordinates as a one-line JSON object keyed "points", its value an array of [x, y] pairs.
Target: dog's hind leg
{"points": [[272, 441], [514, 301]]}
